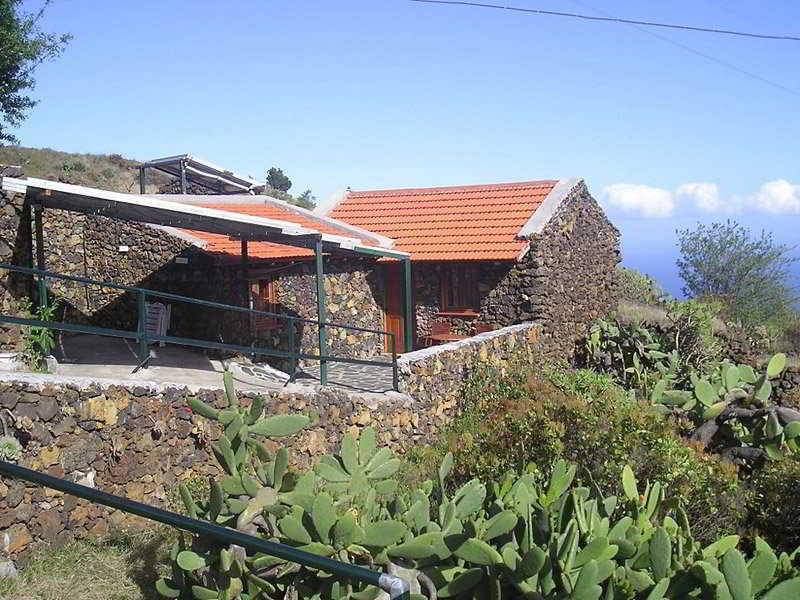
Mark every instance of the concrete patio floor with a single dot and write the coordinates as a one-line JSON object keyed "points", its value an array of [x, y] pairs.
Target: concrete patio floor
{"points": [[100, 357], [115, 358]]}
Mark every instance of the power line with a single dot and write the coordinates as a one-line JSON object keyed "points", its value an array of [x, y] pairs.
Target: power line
{"points": [[714, 59], [610, 19]]}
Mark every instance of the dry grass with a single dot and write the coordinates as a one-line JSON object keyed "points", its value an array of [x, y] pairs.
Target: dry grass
{"points": [[124, 567], [104, 171]]}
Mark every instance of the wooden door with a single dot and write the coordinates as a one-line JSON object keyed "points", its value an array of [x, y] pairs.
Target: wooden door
{"points": [[393, 305]]}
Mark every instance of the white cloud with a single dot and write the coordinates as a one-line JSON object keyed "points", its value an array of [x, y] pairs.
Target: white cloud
{"points": [[647, 201], [704, 196], [777, 197]]}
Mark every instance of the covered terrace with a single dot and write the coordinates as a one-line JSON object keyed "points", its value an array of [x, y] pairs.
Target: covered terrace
{"points": [[42, 194]]}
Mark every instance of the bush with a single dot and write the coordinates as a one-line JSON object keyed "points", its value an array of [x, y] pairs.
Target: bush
{"points": [[533, 534], [774, 510], [636, 286], [583, 417]]}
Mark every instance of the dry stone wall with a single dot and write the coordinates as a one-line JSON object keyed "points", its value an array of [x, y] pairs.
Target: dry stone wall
{"points": [[140, 440], [567, 279], [437, 374], [353, 296]]}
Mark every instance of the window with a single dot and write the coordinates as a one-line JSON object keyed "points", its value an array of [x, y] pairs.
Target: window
{"points": [[264, 294], [460, 290]]}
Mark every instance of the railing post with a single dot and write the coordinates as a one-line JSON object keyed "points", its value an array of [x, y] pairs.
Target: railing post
{"points": [[40, 261], [395, 375], [144, 350], [293, 357], [322, 314]]}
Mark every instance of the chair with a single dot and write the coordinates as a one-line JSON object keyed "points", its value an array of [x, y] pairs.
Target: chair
{"points": [[483, 328]]}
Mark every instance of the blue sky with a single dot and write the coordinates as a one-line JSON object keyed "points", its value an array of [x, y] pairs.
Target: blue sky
{"points": [[391, 93]]}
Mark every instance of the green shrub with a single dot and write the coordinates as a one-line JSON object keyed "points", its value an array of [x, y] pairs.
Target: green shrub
{"points": [[514, 420], [774, 511], [636, 286], [534, 534]]}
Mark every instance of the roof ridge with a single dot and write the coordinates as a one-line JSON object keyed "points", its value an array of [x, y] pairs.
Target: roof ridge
{"points": [[456, 188]]}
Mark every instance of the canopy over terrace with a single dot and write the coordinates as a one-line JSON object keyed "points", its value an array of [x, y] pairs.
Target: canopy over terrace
{"points": [[44, 194]]}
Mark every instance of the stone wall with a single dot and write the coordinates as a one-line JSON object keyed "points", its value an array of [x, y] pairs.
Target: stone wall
{"points": [[436, 375], [353, 296], [139, 440], [568, 277]]}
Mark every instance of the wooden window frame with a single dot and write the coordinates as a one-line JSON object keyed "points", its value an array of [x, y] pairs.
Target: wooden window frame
{"points": [[464, 299]]}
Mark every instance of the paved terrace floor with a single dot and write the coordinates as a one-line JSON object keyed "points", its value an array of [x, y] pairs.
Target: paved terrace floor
{"points": [[115, 358]]}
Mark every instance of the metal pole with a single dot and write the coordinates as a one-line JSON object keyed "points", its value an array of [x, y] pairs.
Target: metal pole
{"points": [[245, 276], [183, 176], [395, 375], [37, 216], [408, 307], [322, 316], [293, 357], [142, 180], [144, 350], [397, 588]]}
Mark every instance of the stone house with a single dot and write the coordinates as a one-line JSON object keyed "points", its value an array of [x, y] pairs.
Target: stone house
{"points": [[491, 255], [496, 254]]}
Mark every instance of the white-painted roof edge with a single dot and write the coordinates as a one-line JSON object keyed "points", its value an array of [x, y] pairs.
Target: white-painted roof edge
{"points": [[549, 206], [144, 201]]}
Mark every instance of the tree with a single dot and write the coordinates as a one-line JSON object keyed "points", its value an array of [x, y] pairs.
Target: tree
{"points": [[23, 47], [749, 274], [277, 180], [306, 200]]}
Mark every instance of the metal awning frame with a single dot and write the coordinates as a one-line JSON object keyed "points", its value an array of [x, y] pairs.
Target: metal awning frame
{"points": [[43, 193]]}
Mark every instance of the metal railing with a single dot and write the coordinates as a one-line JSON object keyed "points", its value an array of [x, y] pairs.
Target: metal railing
{"points": [[144, 338], [397, 588]]}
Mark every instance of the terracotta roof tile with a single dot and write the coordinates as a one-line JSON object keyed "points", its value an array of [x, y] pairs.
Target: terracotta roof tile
{"points": [[477, 222], [222, 244]]}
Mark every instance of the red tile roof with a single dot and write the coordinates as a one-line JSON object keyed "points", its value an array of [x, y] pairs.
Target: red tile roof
{"points": [[267, 250], [476, 222]]}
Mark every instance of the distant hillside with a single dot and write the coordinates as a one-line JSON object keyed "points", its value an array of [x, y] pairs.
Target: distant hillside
{"points": [[105, 171]]}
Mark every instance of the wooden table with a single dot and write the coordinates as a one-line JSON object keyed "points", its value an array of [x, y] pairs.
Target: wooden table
{"points": [[442, 338]]}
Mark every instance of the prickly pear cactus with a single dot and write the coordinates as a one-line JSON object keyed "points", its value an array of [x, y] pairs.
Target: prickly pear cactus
{"points": [[736, 400], [512, 538]]}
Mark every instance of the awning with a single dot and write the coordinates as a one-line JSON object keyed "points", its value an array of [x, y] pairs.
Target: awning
{"points": [[156, 211]]}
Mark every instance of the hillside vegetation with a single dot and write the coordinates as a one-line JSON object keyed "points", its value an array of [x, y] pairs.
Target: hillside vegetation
{"points": [[105, 171]]}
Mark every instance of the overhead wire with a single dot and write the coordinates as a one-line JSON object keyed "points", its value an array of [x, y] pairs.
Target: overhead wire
{"points": [[613, 19], [642, 26]]}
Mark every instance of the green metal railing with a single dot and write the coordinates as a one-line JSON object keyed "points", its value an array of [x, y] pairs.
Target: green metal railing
{"points": [[397, 588], [144, 338]]}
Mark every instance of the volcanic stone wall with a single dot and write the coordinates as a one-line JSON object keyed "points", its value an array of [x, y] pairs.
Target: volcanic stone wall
{"points": [[567, 279], [428, 295], [353, 296], [438, 374], [140, 440]]}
